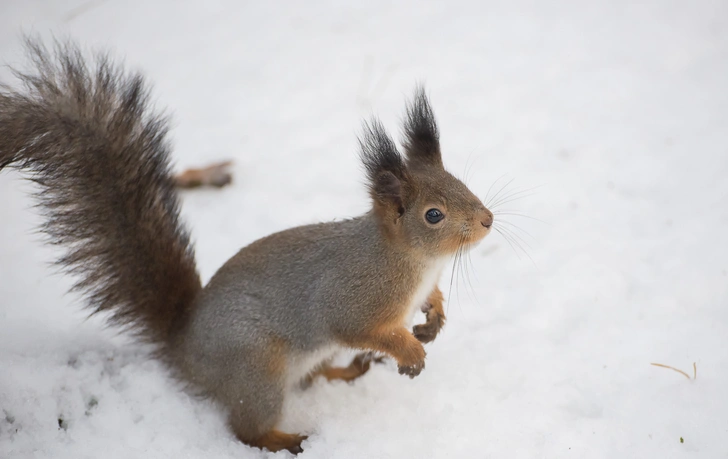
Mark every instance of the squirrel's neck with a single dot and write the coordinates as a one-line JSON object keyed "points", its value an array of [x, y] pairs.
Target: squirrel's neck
{"points": [[402, 256], [396, 244]]}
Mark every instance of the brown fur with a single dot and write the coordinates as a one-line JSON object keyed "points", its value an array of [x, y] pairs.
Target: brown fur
{"points": [[397, 342], [102, 162], [357, 368], [277, 441], [214, 175], [106, 187], [435, 313]]}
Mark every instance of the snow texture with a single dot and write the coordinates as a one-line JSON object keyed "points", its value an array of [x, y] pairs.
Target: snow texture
{"points": [[614, 114]]}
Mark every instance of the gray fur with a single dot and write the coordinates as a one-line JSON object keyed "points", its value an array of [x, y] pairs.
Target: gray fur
{"points": [[280, 305], [311, 287]]}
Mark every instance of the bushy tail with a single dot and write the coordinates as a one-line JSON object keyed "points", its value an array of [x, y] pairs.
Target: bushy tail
{"points": [[87, 138]]}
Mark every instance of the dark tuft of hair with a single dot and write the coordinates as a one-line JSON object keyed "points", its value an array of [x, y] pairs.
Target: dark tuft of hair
{"points": [[421, 136], [378, 152], [385, 166]]}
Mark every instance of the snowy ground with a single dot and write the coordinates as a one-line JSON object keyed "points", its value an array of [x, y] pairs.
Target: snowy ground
{"points": [[618, 111]]}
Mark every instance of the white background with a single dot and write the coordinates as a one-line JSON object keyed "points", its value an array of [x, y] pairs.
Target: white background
{"points": [[616, 111]]}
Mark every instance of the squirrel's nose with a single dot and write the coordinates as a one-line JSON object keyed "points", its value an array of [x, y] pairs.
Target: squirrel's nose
{"points": [[487, 218]]}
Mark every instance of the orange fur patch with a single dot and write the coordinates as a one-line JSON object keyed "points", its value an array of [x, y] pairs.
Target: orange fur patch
{"points": [[276, 440]]}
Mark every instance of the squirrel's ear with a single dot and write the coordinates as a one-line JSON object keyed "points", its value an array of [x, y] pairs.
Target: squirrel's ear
{"points": [[384, 165], [421, 138]]}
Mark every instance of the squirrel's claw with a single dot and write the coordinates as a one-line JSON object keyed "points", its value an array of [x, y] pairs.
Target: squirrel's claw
{"points": [[296, 449], [411, 370]]}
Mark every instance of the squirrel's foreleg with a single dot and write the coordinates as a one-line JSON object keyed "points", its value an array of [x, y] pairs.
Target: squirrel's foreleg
{"points": [[435, 318], [397, 342]]}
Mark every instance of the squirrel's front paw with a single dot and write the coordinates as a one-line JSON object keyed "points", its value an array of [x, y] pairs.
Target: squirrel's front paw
{"points": [[411, 370], [414, 366], [428, 331], [425, 332]]}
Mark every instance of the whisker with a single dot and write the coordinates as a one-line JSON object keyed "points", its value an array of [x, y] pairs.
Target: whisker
{"points": [[514, 193], [520, 239], [512, 196], [469, 168], [518, 242], [507, 194], [511, 232], [495, 196], [507, 239], [515, 227], [469, 173], [517, 248], [518, 214], [516, 237], [452, 273], [461, 251], [469, 264], [463, 269], [491, 187], [515, 198]]}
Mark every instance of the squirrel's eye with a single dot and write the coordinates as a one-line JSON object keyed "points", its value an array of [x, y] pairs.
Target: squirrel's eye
{"points": [[433, 216]]}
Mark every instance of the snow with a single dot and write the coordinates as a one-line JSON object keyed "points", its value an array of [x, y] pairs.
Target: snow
{"points": [[616, 111]]}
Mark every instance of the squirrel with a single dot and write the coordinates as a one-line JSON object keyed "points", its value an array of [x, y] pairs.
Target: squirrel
{"points": [[276, 312]]}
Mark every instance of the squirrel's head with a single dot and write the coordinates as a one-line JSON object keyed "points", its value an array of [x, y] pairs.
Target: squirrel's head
{"points": [[415, 199]]}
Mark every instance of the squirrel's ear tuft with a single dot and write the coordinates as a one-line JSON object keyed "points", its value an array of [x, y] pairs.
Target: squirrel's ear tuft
{"points": [[384, 165], [421, 138]]}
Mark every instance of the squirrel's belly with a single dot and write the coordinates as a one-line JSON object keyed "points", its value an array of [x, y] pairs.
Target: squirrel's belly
{"points": [[428, 281], [301, 364]]}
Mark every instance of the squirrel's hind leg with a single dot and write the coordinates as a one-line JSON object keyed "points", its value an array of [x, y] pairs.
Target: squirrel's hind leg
{"points": [[256, 414], [357, 368], [253, 423], [254, 394]]}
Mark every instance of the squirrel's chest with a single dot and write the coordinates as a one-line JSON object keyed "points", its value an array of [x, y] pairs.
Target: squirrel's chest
{"points": [[429, 277]]}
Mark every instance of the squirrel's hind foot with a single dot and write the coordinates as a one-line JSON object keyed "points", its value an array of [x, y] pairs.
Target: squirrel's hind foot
{"points": [[215, 175], [356, 369], [276, 440]]}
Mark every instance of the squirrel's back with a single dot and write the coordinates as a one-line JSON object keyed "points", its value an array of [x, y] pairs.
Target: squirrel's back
{"points": [[289, 270]]}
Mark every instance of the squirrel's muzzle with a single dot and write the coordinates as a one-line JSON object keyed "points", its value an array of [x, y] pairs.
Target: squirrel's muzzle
{"points": [[486, 218]]}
